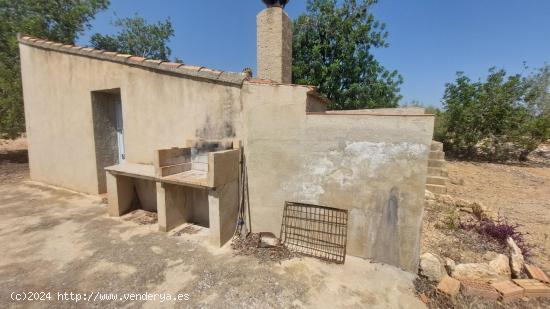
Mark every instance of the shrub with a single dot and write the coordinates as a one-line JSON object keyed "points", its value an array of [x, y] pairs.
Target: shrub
{"points": [[499, 230], [502, 118]]}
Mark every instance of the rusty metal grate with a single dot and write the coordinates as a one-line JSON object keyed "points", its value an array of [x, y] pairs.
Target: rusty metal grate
{"points": [[316, 231]]}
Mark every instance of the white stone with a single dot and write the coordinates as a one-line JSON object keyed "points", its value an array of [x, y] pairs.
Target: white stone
{"points": [[431, 267], [501, 265], [517, 262], [476, 272]]}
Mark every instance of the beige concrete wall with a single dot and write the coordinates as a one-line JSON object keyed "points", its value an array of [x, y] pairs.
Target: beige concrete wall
{"points": [[159, 111], [372, 165]]}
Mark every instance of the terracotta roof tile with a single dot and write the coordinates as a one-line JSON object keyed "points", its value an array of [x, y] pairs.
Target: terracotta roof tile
{"points": [[191, 67], [158, 65], [124, 56], [136, 59], [171, 64], [210, 71]]}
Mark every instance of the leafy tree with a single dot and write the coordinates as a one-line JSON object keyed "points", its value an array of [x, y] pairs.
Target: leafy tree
{"points": [[497, 119], [332, 50], [137, 37], [57, 20]]}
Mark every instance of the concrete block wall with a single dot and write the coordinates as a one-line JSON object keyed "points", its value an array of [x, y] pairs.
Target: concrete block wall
{"points": [[436, 182]]}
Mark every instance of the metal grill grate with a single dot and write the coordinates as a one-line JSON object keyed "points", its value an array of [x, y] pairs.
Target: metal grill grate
{"points": [[316, 231]]}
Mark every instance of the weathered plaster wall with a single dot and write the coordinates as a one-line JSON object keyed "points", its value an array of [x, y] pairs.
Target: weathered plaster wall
{"points": [[159, 111], [372, 165]]}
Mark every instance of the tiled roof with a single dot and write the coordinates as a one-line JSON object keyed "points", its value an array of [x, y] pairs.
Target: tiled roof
{"points": [[157, 65]]}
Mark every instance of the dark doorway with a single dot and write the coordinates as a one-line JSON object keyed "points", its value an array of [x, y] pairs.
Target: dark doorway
{"points": [[108, 132]]}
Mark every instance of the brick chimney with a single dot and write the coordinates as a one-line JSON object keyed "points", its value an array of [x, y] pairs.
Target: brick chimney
{"points": [[274, 44]]}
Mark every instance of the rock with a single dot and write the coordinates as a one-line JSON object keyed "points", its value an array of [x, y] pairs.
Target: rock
{"points": [[517, 262], [476, 272], [431, 267], [501, 265], [449, 286], [429, 195], [542, 151], [450, 265], [490, 255], [456, 180], [268, 240]]}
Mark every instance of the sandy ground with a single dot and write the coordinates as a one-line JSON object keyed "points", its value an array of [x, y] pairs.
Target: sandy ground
{"points": [[59, 241], [520, 193]]}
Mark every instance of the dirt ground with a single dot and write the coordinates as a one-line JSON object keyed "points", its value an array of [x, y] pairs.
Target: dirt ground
{"points": [[520, 193], [58, 241]]}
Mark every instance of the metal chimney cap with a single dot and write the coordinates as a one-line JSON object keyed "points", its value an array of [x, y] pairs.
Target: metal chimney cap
{"points": [[275, 3]]}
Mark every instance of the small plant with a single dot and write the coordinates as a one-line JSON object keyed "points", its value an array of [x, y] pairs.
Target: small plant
{"points": [[450, 221], [499, 230]]}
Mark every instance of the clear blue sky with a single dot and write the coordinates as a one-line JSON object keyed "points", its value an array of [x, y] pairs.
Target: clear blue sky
{"points": [[429, 39]]}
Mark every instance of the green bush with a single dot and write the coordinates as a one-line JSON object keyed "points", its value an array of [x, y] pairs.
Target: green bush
{"points": [[502, 118]]}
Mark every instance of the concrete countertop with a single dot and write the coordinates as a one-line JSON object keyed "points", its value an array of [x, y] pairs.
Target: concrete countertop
{"points": [[192, 178]]}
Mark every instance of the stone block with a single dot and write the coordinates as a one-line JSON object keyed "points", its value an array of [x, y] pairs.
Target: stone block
{"points": [[436, 180], [480, 289], [437, 171], [533, 287], [437, 163], [436, 146], [508, 290], [437, 189], [437, 155]]}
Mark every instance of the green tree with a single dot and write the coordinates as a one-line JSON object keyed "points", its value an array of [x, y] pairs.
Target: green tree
{"points": [[497, 119], [137, 37], [332, 49], [57, 20]]}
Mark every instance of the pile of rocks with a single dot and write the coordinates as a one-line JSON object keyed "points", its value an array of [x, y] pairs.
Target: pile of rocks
{"points": [[500, 277]]}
